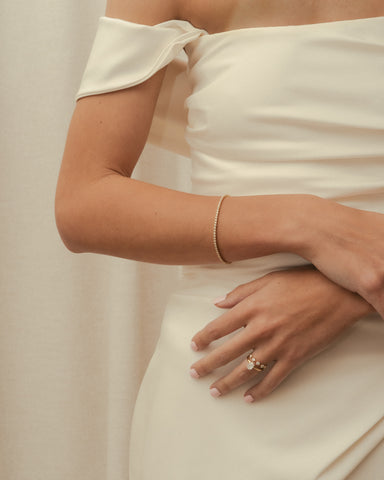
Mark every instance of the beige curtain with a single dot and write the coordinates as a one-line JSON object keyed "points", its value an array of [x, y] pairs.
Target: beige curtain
{"points": [[76, 331]]}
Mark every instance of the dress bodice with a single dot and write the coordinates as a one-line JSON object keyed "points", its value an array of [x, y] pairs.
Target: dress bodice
{"points": [[292, 109], [271, 110], [285, 109]]}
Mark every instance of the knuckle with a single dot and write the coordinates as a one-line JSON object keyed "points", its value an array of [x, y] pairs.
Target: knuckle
{"points": [[207, 335], [266, 387], [372, 281], [263, 330], [212, 332], [201, 369], [199, 342], [281, 342], [224, 386], [221, 358], [256, 392], [293, 354], [263, 392], [244, 374]]}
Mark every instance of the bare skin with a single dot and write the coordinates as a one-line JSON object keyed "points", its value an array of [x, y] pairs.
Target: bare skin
{"points": [[99, 208], [222, 15], [291, 316], [288, 317]]}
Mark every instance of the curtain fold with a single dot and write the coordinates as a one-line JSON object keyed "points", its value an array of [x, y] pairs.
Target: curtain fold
{"points": [[76, 330]]}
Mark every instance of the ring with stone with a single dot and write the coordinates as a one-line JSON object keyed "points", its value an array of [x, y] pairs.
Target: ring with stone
{"points": [[254, 364]]}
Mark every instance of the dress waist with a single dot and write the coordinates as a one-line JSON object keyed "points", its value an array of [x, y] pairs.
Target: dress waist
{"points": [[214, 280]]}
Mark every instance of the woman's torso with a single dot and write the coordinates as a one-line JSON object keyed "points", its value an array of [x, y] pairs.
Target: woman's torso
{"points": [[279, 109], [272, 110]]}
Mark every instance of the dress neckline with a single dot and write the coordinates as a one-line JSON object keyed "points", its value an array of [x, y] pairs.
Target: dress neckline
{"points": [[303, 26]]}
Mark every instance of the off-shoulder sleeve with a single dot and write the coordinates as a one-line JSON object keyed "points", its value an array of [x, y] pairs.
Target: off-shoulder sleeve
{"points": [[125, 54]]}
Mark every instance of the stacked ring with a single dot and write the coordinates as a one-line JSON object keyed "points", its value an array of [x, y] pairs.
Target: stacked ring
{"points": [[254, 364]]}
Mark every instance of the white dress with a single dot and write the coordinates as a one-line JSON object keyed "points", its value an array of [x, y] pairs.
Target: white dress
{"points": [[286, 109]]}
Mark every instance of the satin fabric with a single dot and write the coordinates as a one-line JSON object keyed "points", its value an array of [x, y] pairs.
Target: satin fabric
{"points": [[270, 110]]}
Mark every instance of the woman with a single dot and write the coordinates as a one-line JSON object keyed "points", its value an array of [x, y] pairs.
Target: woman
{"points": [[284, 225]]}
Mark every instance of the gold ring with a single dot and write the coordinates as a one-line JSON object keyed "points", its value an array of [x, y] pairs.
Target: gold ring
{"points": [[254, 364]]}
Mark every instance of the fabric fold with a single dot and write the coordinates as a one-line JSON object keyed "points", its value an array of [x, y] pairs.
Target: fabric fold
{"points": [[125, 54]]}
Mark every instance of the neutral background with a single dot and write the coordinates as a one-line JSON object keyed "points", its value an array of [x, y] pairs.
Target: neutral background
{"points": [[76, 331]]}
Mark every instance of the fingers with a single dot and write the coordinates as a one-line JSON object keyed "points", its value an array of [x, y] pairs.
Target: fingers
{"points": [[239, 375], [224, 354], [272, 380], [267, 381], [238, 294], [226, 323]]}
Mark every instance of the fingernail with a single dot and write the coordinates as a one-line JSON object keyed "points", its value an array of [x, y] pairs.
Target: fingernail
{"points": [[214, 392], [194, 346], [219, 299], [248, 398], [193, 373]]}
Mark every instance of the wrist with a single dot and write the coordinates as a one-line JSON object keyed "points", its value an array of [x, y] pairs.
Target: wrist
{"points": [[312, 220], [255, 226], [357, 307], [297, 228], [350, 306]]}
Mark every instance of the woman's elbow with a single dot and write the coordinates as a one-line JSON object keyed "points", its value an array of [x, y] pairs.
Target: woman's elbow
{"points": [[68, 225]]}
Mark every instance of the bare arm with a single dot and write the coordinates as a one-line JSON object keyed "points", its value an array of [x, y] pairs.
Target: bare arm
{"points": [[101, 209]]}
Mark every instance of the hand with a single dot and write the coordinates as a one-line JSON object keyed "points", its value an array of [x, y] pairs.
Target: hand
{"points": [[347, 245], [288, 317]]}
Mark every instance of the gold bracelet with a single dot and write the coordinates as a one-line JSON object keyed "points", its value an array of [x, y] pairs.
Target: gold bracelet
{"points": [[215, 231]]}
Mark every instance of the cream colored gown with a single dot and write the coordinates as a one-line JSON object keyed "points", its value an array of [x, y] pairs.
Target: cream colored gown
{"points": [[272, 110]]}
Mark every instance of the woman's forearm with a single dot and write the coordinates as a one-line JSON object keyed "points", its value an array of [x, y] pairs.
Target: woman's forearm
{"points": [[119, 216]]}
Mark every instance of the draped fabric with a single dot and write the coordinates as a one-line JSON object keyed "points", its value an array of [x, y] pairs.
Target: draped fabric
{"points": [[287, 134], [77, 331], [73, 341]]}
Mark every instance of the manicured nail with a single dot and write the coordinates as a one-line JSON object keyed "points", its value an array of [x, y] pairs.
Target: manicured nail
{"points": [[193, 373], [248, 398], [194, 346], [219, 299], [214, 392]]}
